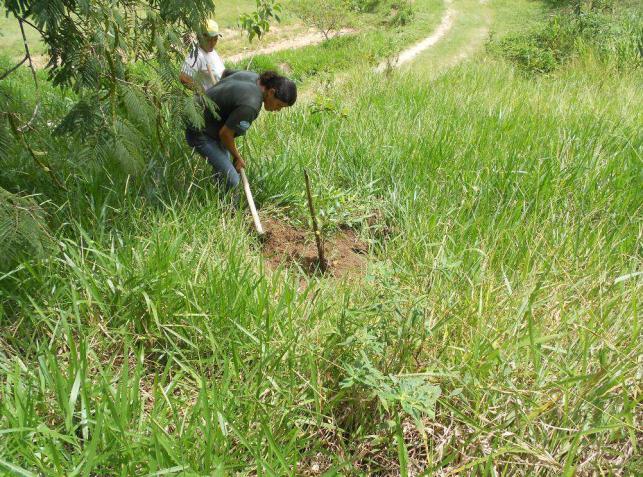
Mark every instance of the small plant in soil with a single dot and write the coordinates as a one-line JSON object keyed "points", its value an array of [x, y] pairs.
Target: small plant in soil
{"points": [[322, 263]]}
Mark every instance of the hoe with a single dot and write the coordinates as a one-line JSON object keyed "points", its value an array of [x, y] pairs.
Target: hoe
{"points": [[251, 203]]}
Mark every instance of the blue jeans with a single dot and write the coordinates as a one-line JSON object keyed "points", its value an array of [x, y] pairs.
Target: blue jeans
{"points": [[217, 155]]}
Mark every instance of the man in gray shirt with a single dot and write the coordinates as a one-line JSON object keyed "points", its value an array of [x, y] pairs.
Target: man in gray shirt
{"points": [[238, 99]]}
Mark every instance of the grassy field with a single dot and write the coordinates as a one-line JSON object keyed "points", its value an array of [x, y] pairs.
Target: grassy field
{"points": [[496, 330]]}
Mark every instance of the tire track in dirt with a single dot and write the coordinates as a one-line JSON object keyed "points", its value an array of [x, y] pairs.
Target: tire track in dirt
{"points": [[449, 24], [410, 53]]}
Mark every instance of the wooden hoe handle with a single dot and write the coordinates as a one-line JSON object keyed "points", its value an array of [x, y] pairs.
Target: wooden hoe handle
{"points": [[251, 202]]}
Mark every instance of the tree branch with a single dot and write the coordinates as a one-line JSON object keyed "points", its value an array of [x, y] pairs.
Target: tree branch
{"points": [[11, 70], [42, 32], [21, 137], [33, 74]]}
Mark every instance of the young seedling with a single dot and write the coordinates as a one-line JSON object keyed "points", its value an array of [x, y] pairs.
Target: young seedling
{"points": [[323, 264]]}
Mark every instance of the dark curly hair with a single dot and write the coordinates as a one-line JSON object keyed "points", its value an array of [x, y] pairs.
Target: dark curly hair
{"points": [[285, 89]]}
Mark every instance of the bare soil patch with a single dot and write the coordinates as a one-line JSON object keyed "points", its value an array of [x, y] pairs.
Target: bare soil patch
{"points": [[287, 245]]}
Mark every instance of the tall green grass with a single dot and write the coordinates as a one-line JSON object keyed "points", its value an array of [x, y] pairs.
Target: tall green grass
{"points": [[496, 330]]}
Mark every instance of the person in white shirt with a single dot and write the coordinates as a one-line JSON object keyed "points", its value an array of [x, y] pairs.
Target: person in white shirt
{"points": [[203, 67]]}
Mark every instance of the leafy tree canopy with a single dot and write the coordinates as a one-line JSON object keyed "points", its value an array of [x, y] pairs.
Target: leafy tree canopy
{"points": [[90, 42]]}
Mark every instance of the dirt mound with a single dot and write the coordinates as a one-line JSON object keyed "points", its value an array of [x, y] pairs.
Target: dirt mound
{"points": [[285, 244]]}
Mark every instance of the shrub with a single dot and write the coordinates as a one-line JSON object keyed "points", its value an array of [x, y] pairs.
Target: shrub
{"points": [[401, 13], [325, 16], [363, 6], [615, 37], [542, 50], [257, 23]]}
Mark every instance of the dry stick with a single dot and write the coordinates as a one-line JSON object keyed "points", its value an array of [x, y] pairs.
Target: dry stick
{"points": [[318, 237]]}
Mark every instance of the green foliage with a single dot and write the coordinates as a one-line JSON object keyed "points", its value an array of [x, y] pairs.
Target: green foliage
{"points": [[375, 41], [402, 13], [325, 104], [6, 138], [363, 6], [541, 51], [23, 230], [93, 48], [332, 56], [325, 16], [507, 262], [615, 37], [91, 43], [413, 394], [120, 59], [583, 6], [495, 330], [257, 23]]}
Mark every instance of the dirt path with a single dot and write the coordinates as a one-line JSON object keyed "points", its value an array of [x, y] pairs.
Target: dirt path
{"points": [[467, 24], [410, 53], [312, 38], [300, 41]]}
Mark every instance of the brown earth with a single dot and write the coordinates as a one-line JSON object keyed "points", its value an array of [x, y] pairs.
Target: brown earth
{"points": [[288, 245]]}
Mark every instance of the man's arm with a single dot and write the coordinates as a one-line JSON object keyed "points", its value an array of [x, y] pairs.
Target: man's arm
{"points": [[227, 139], [212, 77], [187, 80]]}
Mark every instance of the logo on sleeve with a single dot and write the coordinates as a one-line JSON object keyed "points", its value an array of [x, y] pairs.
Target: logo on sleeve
{"points": [[244, 125]]}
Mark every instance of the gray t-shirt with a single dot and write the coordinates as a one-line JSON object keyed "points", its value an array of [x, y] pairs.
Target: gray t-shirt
{"points": [[238, 98]]}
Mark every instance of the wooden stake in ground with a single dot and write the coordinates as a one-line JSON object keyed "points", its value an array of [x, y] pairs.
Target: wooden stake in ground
{"points": [[323, 264], [251, 202]]}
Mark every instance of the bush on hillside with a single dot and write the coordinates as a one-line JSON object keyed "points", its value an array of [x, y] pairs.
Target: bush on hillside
{"points": [[402, 13], [363, 6], [325, 16], [616, 38], [581, 6]]}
